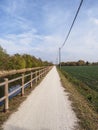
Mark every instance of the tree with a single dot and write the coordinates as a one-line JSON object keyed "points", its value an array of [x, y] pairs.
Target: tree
{"points": [[28, 60], [81, 62], [17, 62], [4, 57]]}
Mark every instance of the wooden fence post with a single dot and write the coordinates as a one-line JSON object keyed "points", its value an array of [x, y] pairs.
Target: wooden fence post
{"points": [[42, 72], [22, 91], [31, 80], [36, 76], [45, 71], [39, 74], [6, 105]]}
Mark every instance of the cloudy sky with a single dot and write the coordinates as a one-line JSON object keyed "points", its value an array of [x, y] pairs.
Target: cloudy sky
{"points": [[39, 27]]}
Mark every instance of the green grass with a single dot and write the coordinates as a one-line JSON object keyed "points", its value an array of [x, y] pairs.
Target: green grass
{"points": [[86, 80], [86, 74]]}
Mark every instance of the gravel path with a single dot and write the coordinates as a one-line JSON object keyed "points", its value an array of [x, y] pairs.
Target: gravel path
{"points": [[46, 108]]}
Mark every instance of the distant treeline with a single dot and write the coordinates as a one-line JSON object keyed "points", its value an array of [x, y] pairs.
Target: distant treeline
{"points": [[18, 61], [78, 63]]}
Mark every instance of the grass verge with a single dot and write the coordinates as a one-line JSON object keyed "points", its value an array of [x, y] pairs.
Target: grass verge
{"points": [[88, 118], [15, 103]]}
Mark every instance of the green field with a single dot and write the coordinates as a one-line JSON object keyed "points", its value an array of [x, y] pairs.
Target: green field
{"points": [[85, 79], [86, 74]]}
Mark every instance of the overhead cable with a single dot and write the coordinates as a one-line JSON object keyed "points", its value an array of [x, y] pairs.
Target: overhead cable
{"points": [[72, 23]]}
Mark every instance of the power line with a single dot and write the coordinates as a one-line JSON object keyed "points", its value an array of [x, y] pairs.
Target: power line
{"points": [[69, 32], [72, 23]]}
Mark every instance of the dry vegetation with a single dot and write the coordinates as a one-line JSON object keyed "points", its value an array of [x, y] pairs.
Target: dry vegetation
{"points": [[88, 118]]}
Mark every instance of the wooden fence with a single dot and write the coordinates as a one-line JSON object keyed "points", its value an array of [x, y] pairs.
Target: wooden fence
{"points": [[34, 74]]}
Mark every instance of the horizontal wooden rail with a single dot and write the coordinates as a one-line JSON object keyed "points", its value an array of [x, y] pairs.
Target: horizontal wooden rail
{"points": [[13, 80], [34, 75], [1, 99], [11, 72]]}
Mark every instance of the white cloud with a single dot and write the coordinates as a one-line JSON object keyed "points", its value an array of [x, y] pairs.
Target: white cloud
{"points": [[55, 19], [95, 21], [38, 45], [82, 47]]}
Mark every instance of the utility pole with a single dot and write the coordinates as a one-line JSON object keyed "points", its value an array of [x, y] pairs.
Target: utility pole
{"points": [[67, 36], [60, 58]]}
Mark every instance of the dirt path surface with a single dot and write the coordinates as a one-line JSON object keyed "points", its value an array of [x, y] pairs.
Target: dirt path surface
{"points": [[46, 108]]}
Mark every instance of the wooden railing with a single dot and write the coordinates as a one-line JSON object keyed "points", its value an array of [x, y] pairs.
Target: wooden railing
{"points": [[34, 75]]}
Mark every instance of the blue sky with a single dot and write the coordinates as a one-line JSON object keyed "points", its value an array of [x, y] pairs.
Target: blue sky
{"points": [[39, 27]]}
